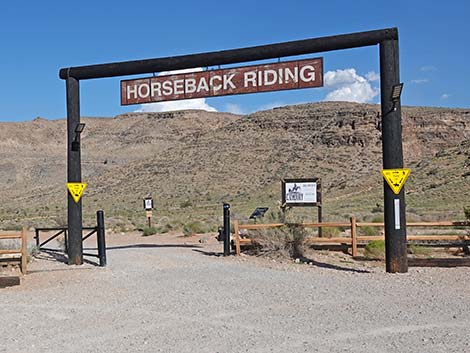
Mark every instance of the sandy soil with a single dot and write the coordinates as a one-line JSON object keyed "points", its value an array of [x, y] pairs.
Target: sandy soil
{"points": [[175, 294]]}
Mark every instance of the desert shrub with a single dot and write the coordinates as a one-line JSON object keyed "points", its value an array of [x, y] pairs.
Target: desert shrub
{"points": [[164, 228], [32, 252], [378, 219], [368, 231], [419, 250], [146, 231], [377, 209], [61, 242], [186, 203], [330, 232], [375, 250], [11, 227], [286, 241], [466, 211], [194, 228]]}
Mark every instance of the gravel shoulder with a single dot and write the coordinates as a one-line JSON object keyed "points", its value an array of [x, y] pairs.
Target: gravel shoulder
{"points": [[175, 294]]}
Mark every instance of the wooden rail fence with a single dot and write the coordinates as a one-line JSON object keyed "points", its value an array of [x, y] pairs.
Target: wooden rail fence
{"points": [[22, 251], [354, 239]]}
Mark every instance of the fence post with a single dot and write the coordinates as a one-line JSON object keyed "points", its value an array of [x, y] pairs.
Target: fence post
{"points": [[226, 229], [353, 236], [100, 235], [24, 250], [237, 238]]}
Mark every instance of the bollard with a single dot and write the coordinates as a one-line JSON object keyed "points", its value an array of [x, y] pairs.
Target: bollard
{"points": [[37, 238], [101, 238], [226, 229]]}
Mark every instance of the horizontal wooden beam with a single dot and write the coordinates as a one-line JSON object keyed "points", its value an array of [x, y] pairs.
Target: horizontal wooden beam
{"points": [[232, 56], [10, 236], [10, 251]]}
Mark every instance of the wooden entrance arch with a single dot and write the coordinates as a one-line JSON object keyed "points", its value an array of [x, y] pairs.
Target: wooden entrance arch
{"points": [[387, 39]]}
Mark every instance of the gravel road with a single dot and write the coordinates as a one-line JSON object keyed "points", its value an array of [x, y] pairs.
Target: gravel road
{"points": [[177, 296]]}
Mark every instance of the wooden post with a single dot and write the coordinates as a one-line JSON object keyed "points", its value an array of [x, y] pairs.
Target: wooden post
{"points": [[353, 236], [237, 238], [396, 260], [24, 251], [74, 173]]}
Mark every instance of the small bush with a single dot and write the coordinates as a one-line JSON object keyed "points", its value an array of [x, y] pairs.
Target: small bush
{"points": [[375, 250], [186, 203], [286, 241], [330, 232], [194, 228], [368, 231], [419, 250], [466, 211], [165, 228], [378, 219], [377, 209], [12, 227], [146, 231]]}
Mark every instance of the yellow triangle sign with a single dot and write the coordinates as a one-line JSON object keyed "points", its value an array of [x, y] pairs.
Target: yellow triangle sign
{"points": [[76, 190], [396, 178]]}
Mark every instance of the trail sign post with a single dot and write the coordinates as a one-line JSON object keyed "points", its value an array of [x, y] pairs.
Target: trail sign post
{"points": [[304, 192], [387, 39], [148, 207]]}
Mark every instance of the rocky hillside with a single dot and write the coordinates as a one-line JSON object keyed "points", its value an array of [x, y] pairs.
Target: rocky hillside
{"points": [[191, 161]]}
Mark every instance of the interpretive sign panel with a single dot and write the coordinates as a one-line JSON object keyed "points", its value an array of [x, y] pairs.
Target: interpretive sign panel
{"points": [[300, 192], [239, 80]]}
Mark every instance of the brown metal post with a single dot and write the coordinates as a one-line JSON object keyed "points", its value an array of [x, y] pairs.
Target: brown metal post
{"points": [[319, 206], [101, 238]]}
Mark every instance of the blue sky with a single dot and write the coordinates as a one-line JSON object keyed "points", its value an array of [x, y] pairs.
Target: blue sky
{"points": [[40, 37]]}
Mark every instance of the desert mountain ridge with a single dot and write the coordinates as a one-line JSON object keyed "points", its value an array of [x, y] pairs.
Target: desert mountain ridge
{"points": [[191, 161]]}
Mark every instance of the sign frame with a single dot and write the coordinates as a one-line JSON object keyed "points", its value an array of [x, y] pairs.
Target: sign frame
{"points": [[286, 203], [148, 204]]}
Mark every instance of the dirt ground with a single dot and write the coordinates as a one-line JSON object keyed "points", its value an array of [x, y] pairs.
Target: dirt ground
{"points": [[169, 293]]}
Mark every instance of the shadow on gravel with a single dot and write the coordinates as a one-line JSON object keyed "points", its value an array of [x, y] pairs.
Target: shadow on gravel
{"points": [[56, 256], [444, 262], [147, 246], [336, 267], [51, 256], [209, 253]]}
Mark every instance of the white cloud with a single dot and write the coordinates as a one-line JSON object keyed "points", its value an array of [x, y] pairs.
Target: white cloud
{"points": [[184, 104], [372, 76], [445, 96], [420, 81], [347, 85], [428, 68], [234, 109]]}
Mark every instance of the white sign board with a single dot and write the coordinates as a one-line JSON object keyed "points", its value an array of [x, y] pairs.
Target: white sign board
{"points": [[300, 192], [148, 204]]}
